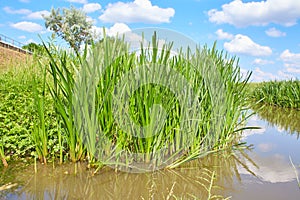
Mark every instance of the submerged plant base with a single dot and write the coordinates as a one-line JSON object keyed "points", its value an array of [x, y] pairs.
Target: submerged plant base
{"points": [[200, 179]]}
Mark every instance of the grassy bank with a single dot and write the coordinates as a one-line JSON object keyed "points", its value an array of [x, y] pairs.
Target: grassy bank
{"points": [[90, 106], [278, 93], [18, 112]]}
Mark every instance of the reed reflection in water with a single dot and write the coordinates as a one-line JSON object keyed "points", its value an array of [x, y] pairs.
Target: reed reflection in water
{"points": [[205, 178], [286, 119]]}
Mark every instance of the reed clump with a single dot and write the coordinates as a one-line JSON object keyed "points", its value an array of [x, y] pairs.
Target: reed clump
{"points": [[148, 109], [279, 93]]}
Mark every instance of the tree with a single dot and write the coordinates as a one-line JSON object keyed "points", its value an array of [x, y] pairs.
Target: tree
{"points": [[34, 48], [71, 25]]}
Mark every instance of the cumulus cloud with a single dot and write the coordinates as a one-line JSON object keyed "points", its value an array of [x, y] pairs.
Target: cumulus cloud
{"points": [[78, 1], [284, 74], [254, 121], [242, 44], [290, 59], [38, 14], [261, 13], [27, 26], [259, 61], [266, 147], [9, 10], [275, 168], [273, 32], [116, 29], [293, 70], [91, 7], [223, 35], [249, 132], [259, 75], [92, 20], [136, 11], [29, 14], [291, 62]]}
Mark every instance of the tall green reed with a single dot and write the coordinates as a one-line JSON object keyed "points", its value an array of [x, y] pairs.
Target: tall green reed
{"points": [[279, 93], [216, 118], [61, 69], [39, 133], [148, 107]]}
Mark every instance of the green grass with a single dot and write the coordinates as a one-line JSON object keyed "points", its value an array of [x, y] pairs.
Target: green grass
{"points": [[18, 113], [279, 93], [90, 106]]}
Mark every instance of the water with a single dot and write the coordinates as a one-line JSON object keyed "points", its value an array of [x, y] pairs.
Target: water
{"points": [[276, 147], [263, 172]]}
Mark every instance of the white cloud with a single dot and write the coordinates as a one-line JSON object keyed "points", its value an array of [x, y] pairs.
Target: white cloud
{"points": [[27, 26], [244, 72], [136, 11], [223, 35], [24, 1], [89, 19], [116, 29], [78, 1], [273, 32], [259, 61], [91, 7], [20, 11], [261, 13], [38, 14], [291, 62], [258, 75], [266, 147], [290, 59], [284, 74], [30, 41], [29, 14], [249, 132], [274, 169], [242, 44], [293, 70], [22, 37], [254, 121]]}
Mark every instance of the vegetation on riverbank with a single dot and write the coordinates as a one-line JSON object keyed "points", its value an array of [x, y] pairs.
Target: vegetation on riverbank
{"points": [[64, 107], [284, 93]]}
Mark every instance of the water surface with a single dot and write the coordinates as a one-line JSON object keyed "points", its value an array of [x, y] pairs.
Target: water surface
{"points": [[263, 172]]}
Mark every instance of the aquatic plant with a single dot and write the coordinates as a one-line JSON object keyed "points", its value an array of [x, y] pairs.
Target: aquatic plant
{"points": [[61, 66], [40, 134], [157, 120], [90, 106], [279, 93]]}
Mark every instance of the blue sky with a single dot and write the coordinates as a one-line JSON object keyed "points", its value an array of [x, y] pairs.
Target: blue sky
{"points": [[264, 35]]}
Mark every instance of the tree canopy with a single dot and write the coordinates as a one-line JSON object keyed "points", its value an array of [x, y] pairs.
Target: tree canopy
{"points": [[33, 47], [71, 25]]}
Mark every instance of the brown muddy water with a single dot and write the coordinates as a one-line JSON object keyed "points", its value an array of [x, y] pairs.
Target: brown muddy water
{"points": [[268, 171]]}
